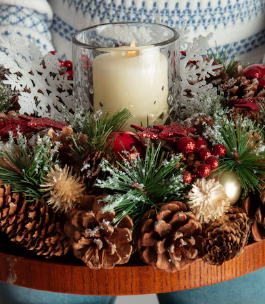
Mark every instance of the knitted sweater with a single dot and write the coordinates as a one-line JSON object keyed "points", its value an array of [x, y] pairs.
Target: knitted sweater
{"points": [[236, 23]]}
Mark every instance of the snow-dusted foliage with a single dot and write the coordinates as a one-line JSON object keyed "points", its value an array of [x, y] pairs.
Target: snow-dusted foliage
{"points": [[43, 90]]}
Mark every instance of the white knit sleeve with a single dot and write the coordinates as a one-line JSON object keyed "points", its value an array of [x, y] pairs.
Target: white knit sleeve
{"points": [[29, 18]]}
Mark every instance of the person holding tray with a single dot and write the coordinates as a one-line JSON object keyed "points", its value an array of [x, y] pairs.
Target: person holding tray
{"points": [[237, 25]]}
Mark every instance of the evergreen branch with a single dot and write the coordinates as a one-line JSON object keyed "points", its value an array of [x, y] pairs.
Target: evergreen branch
{"points": [[230, 63], [245, 152], [5, 95], [142, 183], [23, 168], [97, 127]]}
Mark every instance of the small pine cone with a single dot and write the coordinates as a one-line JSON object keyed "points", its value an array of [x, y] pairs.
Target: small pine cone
{"points": [[95, 240], [226, 237], [245, 113], [255, 209], [241, 88], [66, 153], [170, 239], [219, 78], [91, 169], [32, 224], [197, 121]]}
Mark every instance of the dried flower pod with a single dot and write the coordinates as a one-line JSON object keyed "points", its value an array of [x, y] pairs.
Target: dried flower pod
{"points": [[226, 237], [170, 238], [95, 239], [208, 200]]}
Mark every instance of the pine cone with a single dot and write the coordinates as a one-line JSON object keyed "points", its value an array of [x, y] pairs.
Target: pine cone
{"points": [[66, 153], [255, 209], [32, 224], [94, 238], [226, 237], [91, 169], [170, 239], [197, 121], [245, 113], [241, 88]]}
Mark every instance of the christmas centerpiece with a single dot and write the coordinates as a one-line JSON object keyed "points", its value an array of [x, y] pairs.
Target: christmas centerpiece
{"points": [[172, 188]]}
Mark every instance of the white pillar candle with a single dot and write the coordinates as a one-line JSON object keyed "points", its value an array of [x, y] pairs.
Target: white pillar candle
{"points": [[132, 78]]}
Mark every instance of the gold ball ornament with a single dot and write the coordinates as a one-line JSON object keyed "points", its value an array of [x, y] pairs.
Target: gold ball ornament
{"points": [[231, 183]]}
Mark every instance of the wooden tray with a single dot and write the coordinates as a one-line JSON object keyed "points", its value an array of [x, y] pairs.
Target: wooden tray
{"points": [[68, 275]]}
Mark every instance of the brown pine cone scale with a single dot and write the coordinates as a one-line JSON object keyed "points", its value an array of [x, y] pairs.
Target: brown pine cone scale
{"points": [[170, 239], [32, 224], [226, 237], [95, 239]]}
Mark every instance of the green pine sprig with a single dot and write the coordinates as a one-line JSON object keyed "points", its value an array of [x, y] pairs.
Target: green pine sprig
{"points": [[25, 169], [245, 152], [5, 95], [230, 63], [97, 126], [142, 183]]}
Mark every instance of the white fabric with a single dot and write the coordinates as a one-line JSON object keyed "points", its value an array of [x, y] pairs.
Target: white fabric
{"points": [[236, 23]]}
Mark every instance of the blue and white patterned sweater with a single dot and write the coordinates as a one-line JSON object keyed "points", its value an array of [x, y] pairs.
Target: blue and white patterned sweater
{"points": [[237, 23]]}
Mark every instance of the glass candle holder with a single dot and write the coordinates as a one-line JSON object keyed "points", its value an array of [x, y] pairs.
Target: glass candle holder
{"points": [[127, 65]]}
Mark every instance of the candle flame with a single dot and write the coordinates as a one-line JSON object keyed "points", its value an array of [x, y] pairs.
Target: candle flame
{"points": [[132, 53]]}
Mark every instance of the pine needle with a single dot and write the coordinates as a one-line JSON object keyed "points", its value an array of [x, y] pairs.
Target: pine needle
{"points": [[5, 95], [23, 168], [230, 63], [97, 127], [142, 183], [245, 154]]}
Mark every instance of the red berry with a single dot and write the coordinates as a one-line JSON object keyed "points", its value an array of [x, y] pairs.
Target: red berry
{"points": [[219, 150], [204, 170], [61, 62], [213, 162], [70, 75], [186, 145], [201, 143], [187, 177], [68, 64], [204, 153], [53, 52]]}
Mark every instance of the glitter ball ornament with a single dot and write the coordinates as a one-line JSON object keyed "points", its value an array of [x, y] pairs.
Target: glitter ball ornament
{"points": [[204, 153], [201, 143], [204, 170], [213, 162], [127, 141], [187, 177], [231, 184], [219, 150], [186, 145], [256, 71]]}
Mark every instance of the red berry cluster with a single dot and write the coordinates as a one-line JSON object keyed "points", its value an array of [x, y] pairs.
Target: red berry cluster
{"points": [[199, 158], [67, 67]]}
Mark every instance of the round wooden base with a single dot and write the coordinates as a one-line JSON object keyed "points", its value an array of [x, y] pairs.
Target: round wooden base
{"points": [[68, 275]]}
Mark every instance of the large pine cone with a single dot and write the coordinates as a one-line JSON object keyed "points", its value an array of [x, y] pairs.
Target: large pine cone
{"points": [[170, 239], [241, 88], [32, 224], [94, 238], [255, 209], [226, 237]]}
